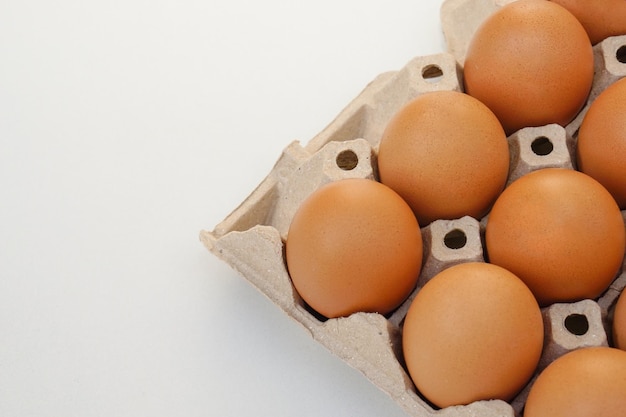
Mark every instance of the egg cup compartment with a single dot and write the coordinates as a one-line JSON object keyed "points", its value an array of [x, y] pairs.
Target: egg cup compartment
{"points": [[445, 243], [567, 326], [571, 326], [251, 238], [609, 66], [534, 148], [448, 243], [334, 161]]}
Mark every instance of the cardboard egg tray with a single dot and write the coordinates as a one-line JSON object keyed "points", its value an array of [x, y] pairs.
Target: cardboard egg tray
{"points": [[251, 239]]}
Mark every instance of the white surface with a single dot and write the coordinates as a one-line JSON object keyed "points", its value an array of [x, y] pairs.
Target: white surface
{"points": [[125, 128]]}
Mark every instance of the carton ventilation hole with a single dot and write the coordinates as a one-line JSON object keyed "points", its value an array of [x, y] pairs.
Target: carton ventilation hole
{"points": [[621, 54], [577, 324], [347, 160], [432, 73], [455, 239], [542, 146]]}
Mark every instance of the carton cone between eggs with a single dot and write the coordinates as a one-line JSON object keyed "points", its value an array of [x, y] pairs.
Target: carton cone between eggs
{"points": [[251, 238]]}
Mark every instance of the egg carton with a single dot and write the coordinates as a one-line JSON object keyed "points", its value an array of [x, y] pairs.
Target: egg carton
{"points": [[251, 238]]}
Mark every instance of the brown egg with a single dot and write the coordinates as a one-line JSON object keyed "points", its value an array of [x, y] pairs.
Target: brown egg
{"points": [[560, 231], [446, 154], [354, 245], [583, 383], [601, 147], [473, 332], [600, 18], [619, 322], [531, 62]]}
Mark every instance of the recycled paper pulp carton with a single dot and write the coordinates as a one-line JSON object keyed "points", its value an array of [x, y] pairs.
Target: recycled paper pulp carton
{"points": [[251, 239]]}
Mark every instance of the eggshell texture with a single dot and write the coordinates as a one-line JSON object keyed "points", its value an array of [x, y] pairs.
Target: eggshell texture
{"points": [[585, 382], [600, 18], [560, 231], [473, 332], [601, 147], [354, 245], [619, 322], [531, 62], [446, 154]]}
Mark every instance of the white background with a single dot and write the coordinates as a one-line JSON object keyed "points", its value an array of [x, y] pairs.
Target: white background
{"points": [[126, 127]]}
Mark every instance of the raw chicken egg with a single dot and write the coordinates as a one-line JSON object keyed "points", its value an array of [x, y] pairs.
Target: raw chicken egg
{"points": [[446, 154], [600, 18], [601, 146], [354, 245], [531, 63], [582, 383], [560, 231], [619, 322], [473, 332]]}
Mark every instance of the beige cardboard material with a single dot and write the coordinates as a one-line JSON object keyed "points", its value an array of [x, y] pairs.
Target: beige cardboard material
{"points": [[450, 242], [609, 66], [446, 243], [564, 322], [572, 326], [334, 161], [461, 18], [533, 148], [251, 238]]}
